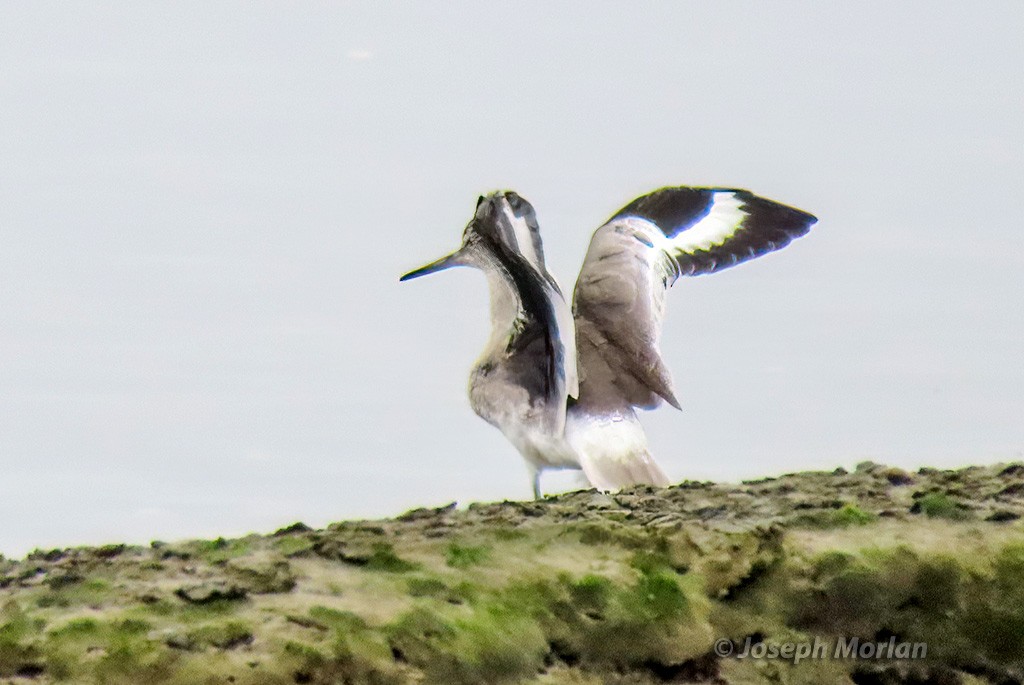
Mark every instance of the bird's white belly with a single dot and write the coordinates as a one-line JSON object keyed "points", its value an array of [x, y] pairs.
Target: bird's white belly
{"points": [[541, 450], [612, 438], [613, 435]]}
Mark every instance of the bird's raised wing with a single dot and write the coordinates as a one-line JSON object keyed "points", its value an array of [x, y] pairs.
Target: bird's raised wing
{"points": [[535, 345], [516, 225], [636, 256]]}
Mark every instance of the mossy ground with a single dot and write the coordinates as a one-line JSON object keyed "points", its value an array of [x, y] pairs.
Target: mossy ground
{"points": [[585, 588]]}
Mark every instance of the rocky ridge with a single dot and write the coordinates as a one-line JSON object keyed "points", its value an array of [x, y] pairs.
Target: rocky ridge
{"points": [[640, 586]]}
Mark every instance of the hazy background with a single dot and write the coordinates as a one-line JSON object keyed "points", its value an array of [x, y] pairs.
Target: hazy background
{"points": [[205, 208]]}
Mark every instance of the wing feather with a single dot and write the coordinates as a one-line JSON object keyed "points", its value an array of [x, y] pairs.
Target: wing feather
{"points": [[636, 256], [514, 223]]}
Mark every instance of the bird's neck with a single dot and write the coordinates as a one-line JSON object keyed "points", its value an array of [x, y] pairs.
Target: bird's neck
{"points": [[505, 309]]}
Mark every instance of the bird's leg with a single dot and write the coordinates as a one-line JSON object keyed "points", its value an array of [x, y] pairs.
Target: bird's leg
{"points": [[536, 484]]}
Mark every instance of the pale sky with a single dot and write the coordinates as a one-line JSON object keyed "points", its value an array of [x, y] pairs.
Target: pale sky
{"points": [[205, 208]]}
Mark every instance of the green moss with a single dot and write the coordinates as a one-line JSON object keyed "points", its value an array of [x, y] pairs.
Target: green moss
{"points": [[362, 655], [339, 620], [131, 626], [464, 556], [262, 577], [89, 591], [1008, 569], [384, 558], [590, 619], [426, 587], [609, 533], [649, 560], [77, 627], [157, 607], [653, 620], [227, 635], [494, 644], [830, 563], [591, 593], [293, 545], [304, 660], [18, 640], [307, 653], [941, 505], [134, 659], [851, 515], [358, 654], [500, 644], [220, 550], [508, 534], [656, 597], [845, 516], [196, 613], [459, 593], [994, 616], [960, 610], [608, 601], [111, 551]]}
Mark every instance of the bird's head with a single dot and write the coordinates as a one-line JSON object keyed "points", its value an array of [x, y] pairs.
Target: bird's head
{"points": [[502, 221]]}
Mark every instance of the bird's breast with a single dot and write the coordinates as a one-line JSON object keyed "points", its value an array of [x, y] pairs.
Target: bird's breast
{"points": [[498, 396], [495, 398]]}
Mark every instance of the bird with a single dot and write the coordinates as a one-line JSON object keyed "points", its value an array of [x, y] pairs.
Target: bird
{"points": [[564, 385]]}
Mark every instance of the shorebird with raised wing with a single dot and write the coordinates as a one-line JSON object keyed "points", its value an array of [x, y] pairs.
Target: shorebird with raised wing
{"points": [[564, 386]]}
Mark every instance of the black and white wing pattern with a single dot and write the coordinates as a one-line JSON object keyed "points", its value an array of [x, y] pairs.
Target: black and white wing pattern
{"points": [[515, 221], [636, 256]]}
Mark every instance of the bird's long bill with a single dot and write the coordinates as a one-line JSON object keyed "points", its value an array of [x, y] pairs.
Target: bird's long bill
{"points": [[446, 262]]}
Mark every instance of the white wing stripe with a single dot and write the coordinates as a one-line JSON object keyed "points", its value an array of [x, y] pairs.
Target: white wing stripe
{"points": [[721, 223]]}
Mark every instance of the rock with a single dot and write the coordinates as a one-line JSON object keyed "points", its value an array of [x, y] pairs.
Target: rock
{"points": [[50, 555], [212, 591], [57, 581], [898, 477], [1012, 490], [1012, 470], [584, 587], [260, 577], [175, 639], [335, 549], [110, 551], [298, 527], [426, 513]]}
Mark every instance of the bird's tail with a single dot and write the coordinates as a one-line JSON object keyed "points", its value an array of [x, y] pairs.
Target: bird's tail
{"points": [[612, 450]]}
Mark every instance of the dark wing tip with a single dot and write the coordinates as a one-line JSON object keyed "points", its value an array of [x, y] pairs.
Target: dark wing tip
{"points": [[769, 215], [765, 226]]}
